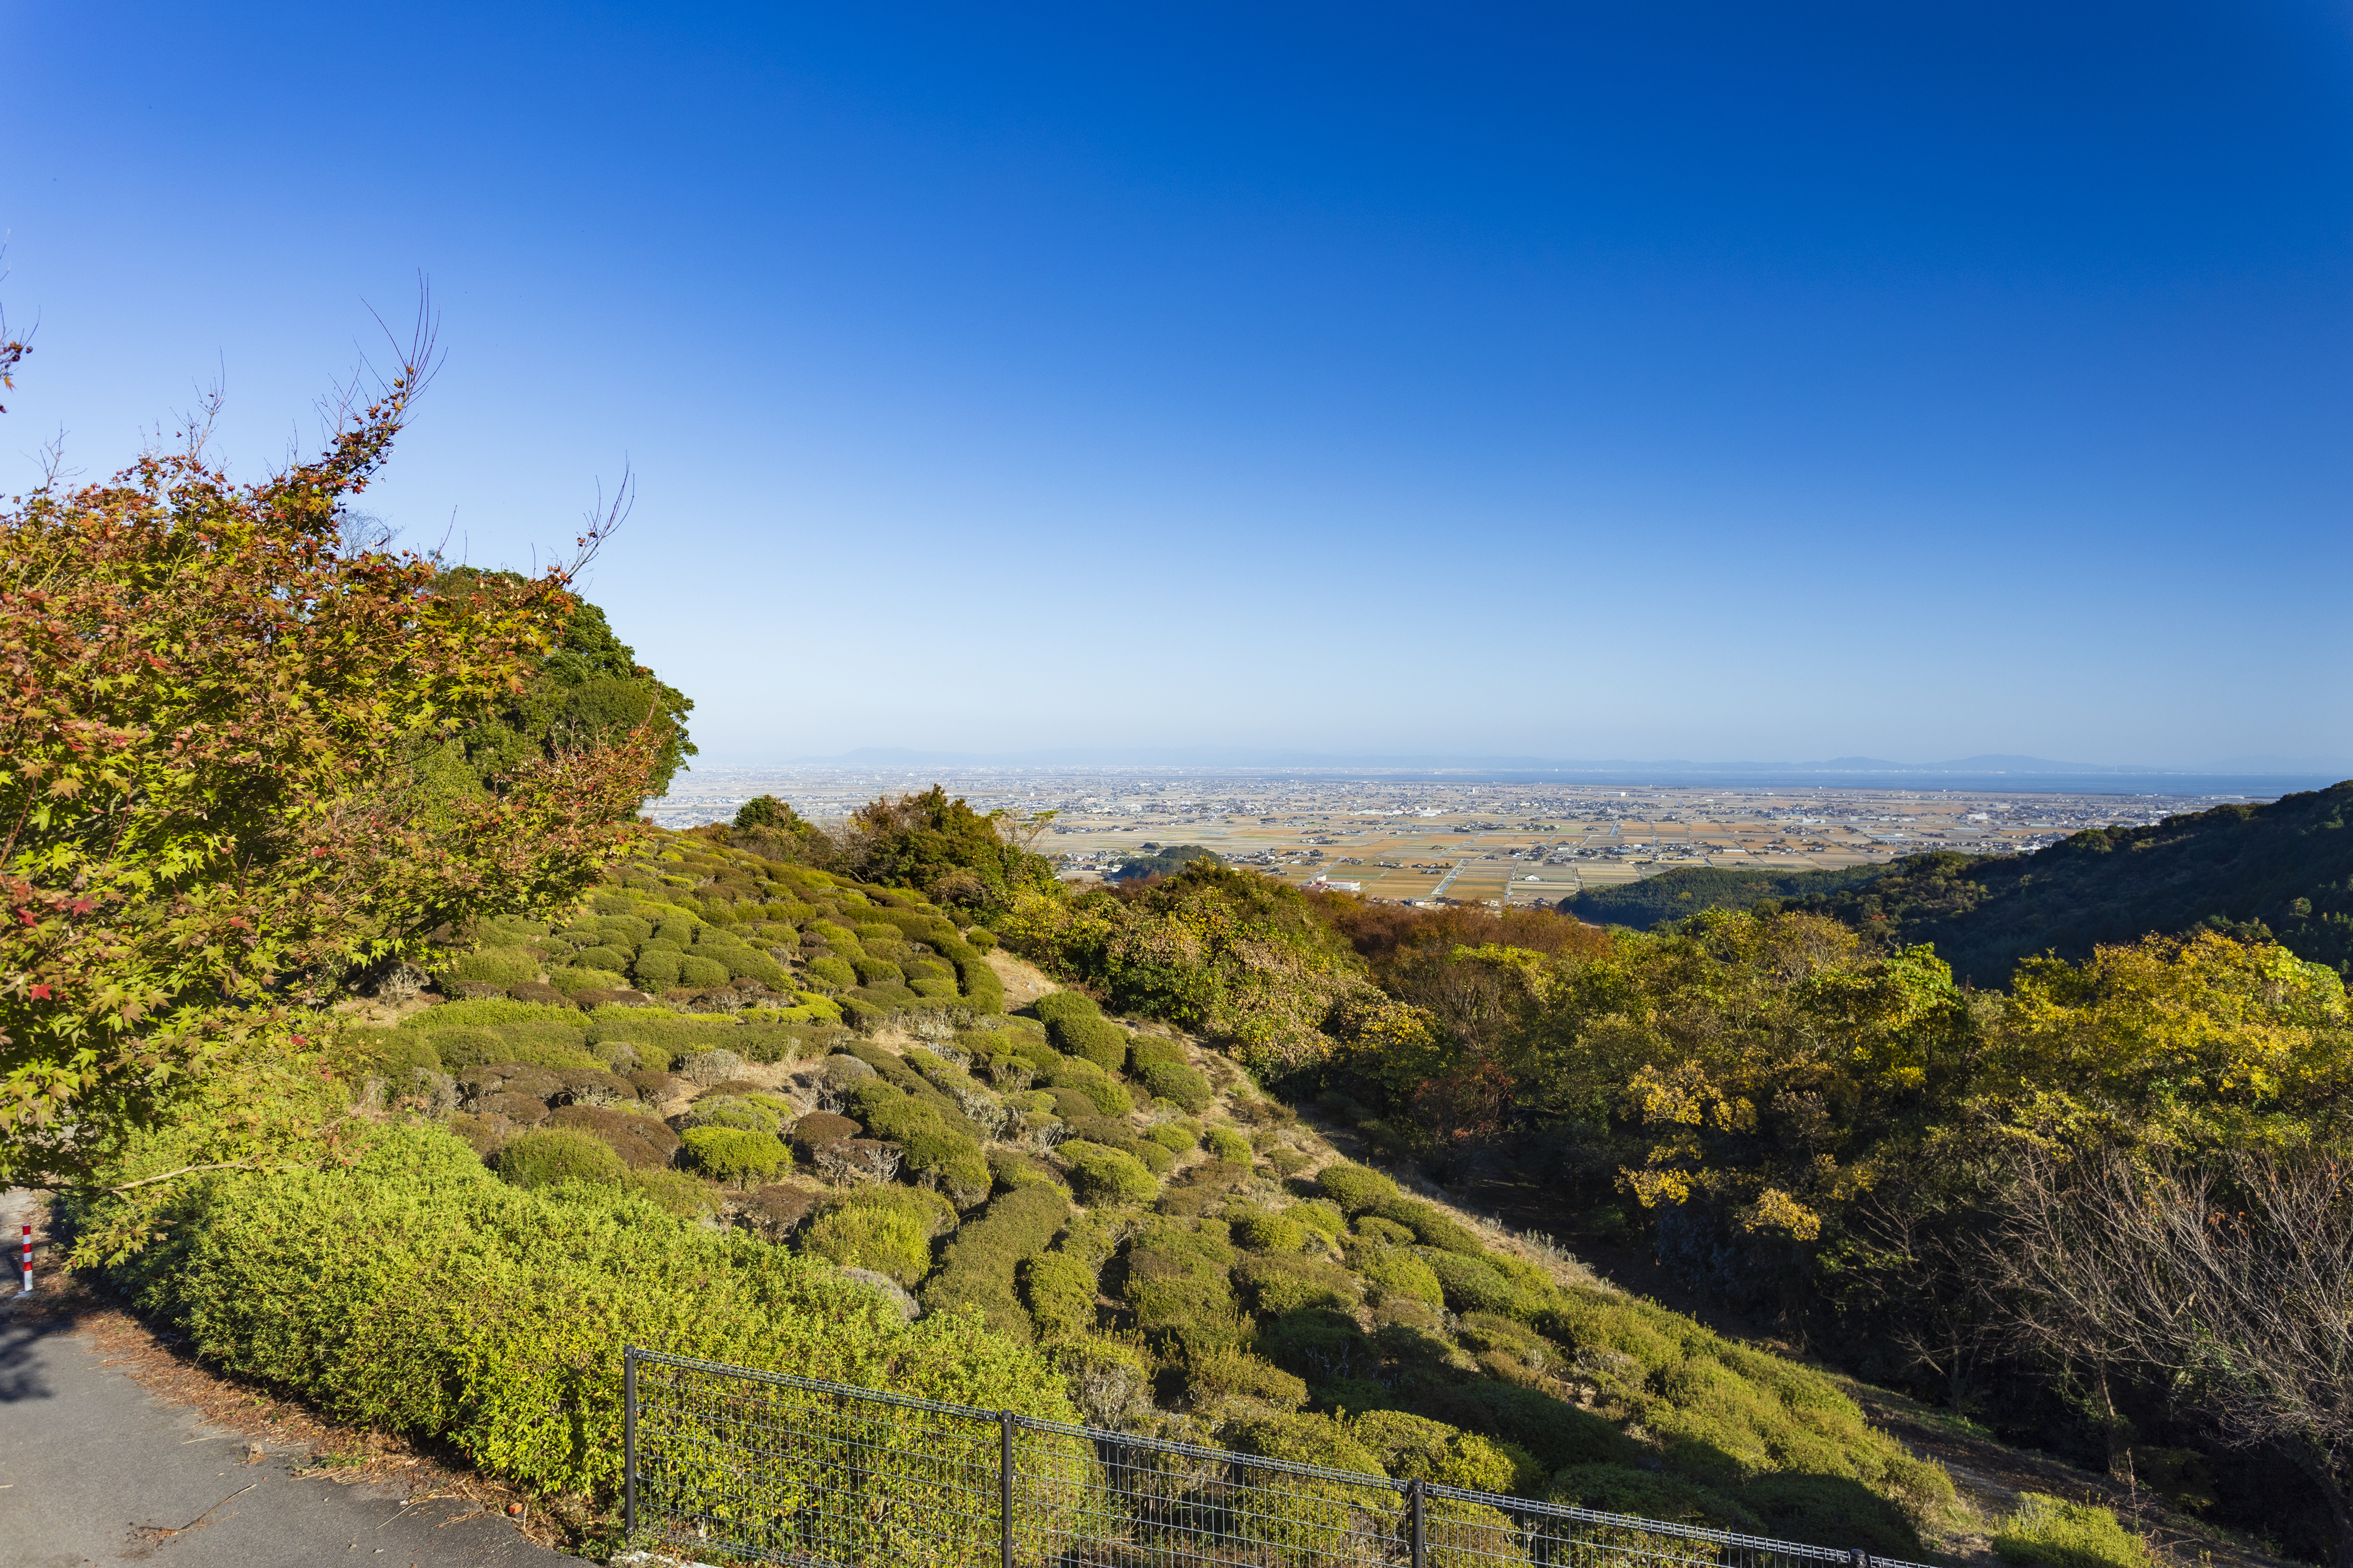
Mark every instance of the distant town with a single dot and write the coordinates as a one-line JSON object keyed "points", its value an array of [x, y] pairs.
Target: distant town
{"points": [[1469, 841]]}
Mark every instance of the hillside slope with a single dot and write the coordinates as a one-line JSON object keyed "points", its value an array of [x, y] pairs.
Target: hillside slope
{"points": [[2286, 866], [1191, 1259]]}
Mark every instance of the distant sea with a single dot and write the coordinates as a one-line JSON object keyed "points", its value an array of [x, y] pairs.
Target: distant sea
{"points": [[2253, 787]]}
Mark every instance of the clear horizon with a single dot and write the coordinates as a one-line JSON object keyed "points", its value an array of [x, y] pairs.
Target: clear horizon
{"points": [[1702, 383]]}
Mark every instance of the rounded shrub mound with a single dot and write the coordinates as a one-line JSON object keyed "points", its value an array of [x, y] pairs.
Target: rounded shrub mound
{"points": [[1059, 1291], [1162, 1070], [1355, 1188], [550, 1156], [1059, 1006], [1096, 1038], [1100, 1176], [1110, 1096], [702, 973], [496, 966], [655, 968], [753, 1113], [1228, 1145], [834, 974], [2060, 1534], [890, 1242], [733, 1154]]}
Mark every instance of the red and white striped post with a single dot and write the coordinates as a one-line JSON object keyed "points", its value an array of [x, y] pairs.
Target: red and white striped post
{"points": [[28, 1261]]}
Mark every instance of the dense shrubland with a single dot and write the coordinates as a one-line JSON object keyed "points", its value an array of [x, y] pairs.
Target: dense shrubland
{"points": [[1823, 1130], [1109, 1203]]}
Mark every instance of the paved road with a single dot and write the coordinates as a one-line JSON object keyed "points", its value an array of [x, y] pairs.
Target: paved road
{"points": [[92, 1468]]}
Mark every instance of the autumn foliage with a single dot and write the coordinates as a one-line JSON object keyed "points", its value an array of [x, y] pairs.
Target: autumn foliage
{"points": [[225, 779]]}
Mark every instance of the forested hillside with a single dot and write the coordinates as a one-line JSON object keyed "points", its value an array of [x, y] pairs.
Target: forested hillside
{"points": [[2282, 871]]}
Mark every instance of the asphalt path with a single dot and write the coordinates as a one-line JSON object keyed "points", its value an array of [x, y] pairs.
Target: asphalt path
{"points": [[94, 1469]]}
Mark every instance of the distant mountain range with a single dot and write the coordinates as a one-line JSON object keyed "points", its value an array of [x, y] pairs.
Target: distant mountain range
{"points": [[1235, 757]]}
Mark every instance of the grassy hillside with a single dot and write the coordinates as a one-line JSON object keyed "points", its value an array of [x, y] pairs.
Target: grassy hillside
{"points": [[2286, 866]]}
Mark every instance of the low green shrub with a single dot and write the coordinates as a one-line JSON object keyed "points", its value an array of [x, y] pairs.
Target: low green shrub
{"points": [[950, 1162], [487, 1013], [1306, 1517], [1475, 1285], [1227, 1144], [983, 991], [492, 1317], [1058, 1006], [750, 1112], [982, 1259], [701, 973], [1174, 1137], [1320, 1216], [673, 1192], [1201, 1189], [656, 968], [386, 1053], [1111, 1097], [573, 981], [641, 1142], [1096, 1038], [832, 973], [1429, 1224], [1174, 1277], [891, 1242], [733, 1154], [1623, 1488], [548, 1157], [1414, 1447], [1259, 1231], [1229, 1371], [1059, 1291], [660, 1038], [1355, 1188], [2050, 1530], [1286, 1282], [1162, 1070], [608, 958], [468, 1047], [1101, 1175], [496, 966], [1394, 1271], [1013, 1170]]}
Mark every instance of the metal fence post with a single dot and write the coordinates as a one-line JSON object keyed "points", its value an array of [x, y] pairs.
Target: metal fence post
{"points": [[630, 1441], [1005, 1486], [1413, 1505]]}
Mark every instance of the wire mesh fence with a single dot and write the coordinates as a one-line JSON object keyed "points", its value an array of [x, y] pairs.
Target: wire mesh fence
{"points": [[725, 1465]]}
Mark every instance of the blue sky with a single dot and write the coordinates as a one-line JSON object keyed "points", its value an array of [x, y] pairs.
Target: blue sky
{"points": [[1694, 381]]}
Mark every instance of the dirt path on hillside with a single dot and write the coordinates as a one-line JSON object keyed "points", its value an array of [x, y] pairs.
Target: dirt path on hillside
{"points": [[1024, 982]]}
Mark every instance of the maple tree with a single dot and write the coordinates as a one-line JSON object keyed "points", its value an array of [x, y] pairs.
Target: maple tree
{"points": [[225, 790]]}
